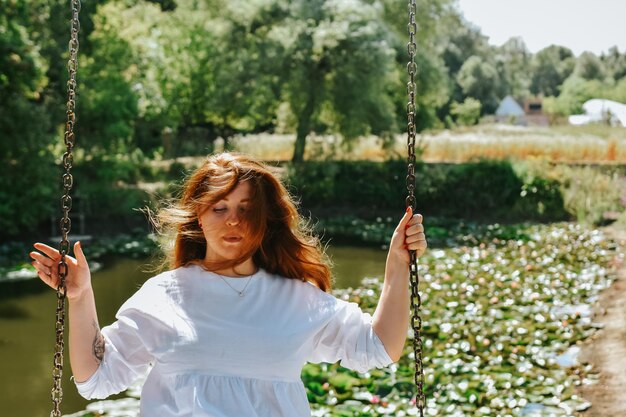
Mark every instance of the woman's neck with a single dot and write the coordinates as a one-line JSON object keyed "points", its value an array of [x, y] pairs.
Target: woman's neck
{"points": [[244, 269]]}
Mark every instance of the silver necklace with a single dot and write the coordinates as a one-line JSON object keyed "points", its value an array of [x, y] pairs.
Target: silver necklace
{"points": [[241, 293]]}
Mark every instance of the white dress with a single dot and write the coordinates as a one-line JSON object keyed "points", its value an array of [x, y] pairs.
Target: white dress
{"points": [[217, 354]]}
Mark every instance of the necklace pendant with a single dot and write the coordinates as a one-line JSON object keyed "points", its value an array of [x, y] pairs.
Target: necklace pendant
{"points": [[241, 294]]}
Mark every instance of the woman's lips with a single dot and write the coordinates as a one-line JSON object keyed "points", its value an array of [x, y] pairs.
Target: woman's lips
{"points": [[233, 239]]}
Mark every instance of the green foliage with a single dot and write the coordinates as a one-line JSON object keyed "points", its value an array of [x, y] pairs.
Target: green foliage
{"points": [[589, 67], [107, 106], [465, 40], [513, 60], [577, 90], [466, 113], [105, 184], [26, 166], [614, 63], [362, 185], [618, 92], [550, 67], [337, 61], [21, 67], [434, 19], [479, 79], [28, 178], [480, 190], [185, 73], [592, 195]]}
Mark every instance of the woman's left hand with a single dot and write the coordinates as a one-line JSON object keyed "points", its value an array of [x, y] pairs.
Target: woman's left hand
{"points": [[409, 235]]}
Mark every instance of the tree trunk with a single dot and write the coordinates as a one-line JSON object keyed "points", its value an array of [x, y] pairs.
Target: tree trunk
{"points": [[302, 132], [304, 124]]}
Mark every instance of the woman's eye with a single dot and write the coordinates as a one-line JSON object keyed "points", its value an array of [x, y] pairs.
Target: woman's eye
{"points": [[219, 209]]}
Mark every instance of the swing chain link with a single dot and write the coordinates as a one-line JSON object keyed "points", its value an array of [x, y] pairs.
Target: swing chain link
{"points": [[66, 205], [416, 301]]}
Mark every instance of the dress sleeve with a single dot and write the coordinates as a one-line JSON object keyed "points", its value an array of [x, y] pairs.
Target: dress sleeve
{"points": [[349, 337], [129, 345]]}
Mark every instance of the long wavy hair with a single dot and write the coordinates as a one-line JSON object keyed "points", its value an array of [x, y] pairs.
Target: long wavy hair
{"points": [[277, 238]]}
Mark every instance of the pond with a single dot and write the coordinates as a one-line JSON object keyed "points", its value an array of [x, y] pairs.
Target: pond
{"points": [[27, 325]]}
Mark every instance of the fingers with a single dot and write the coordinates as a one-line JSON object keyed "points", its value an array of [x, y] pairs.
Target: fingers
{"points": [[80, 255], [417, 244], [405, 219], [47, 274], [41, 259], [49, 251], [416, 219], [415, 238], [46, 263], [53, 253], [46, 268]]}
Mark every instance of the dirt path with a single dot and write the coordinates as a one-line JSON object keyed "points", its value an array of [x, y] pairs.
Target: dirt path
{"points": [[606, 350]]}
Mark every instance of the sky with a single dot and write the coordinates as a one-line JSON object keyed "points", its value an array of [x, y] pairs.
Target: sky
{"points": [[581, 25]]}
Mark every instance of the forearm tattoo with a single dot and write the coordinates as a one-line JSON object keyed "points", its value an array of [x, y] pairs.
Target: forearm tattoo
{"points": [[98, 344]]}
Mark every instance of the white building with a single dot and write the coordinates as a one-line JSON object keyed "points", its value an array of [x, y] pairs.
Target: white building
{"points": [[599, 111]]}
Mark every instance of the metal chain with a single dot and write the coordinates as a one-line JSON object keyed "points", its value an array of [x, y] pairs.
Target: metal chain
{"points": [[66, 206], [416, 301]]}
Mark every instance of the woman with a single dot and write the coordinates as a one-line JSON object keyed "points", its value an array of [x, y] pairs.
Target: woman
{"points": [[243, 307]]}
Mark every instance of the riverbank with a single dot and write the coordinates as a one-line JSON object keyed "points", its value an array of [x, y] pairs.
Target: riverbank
{"points": [[606, 350]]}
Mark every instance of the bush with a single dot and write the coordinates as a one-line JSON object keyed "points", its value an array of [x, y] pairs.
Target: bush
{"points": [[483, 190], [106, 184], [466, 113], [592, 195]]}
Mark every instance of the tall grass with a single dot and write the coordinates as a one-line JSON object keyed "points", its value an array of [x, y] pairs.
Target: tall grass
{"points": [[595, 144], [567, 144], [592, 194]]}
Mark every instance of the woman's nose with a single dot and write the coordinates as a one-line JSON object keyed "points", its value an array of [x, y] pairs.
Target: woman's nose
{"points": [[233, 219]]}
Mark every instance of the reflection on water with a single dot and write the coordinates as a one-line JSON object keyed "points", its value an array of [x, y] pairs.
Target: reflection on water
{"points": [[352, 264], [27, 326]]}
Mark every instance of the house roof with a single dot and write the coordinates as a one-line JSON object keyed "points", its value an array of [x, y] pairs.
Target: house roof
{"points": [[509, 107]]}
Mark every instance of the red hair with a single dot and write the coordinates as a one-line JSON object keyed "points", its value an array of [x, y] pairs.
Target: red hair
{"points": [[278, 239]]}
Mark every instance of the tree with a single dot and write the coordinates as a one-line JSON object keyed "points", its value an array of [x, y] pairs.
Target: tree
{"points": [[589, 67], [464, 40], [26, 163], [245, 90], [574, 92], [436, 21], [480, 80], [337, 61], [550, 68], [107, 105], [513, 60], [614, 63], [466, 113]]}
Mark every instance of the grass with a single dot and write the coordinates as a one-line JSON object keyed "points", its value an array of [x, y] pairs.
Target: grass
{"points": [[594, 144], [562, 144]]}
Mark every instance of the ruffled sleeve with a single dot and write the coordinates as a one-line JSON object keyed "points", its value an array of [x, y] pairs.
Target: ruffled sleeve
{"points": [[349, 337], [129, 344]]}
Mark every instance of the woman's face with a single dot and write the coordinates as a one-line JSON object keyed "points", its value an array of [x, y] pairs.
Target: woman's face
{"points": [[224, 225]]}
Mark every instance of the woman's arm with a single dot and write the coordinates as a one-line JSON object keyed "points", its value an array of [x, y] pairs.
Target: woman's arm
{"points": [[391, 318], [85, 340]]}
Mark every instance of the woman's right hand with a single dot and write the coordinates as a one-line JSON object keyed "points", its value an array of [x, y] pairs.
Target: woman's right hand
{"points": [[78, 279]]}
